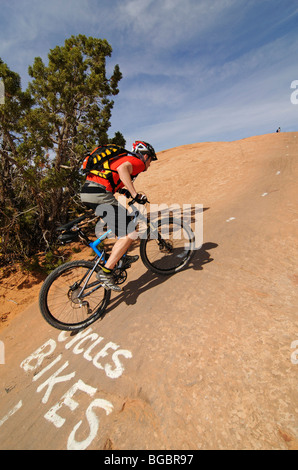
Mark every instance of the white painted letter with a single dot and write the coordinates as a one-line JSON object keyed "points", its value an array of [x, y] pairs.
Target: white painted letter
{"points": [[119, 369], [103, 353], [38, 356], [77, 349], [54, 379], [67, 400], [93, 421]]}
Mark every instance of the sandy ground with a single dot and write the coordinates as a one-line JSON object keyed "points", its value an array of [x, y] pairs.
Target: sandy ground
{"points": [[205, 359]]}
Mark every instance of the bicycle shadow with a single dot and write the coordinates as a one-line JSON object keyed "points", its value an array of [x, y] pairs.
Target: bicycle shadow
{"points": [[133, 289]]}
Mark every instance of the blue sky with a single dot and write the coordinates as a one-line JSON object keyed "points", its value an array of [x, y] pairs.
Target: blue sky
{"points": [[193, 70]]}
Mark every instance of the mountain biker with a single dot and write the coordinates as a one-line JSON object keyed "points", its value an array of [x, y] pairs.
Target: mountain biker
{"points": [[98, 191]]}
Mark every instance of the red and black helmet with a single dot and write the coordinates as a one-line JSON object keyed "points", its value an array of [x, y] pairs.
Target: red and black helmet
{"points": [[139, 146]]}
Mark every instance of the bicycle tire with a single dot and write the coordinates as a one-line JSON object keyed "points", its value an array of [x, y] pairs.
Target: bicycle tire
{"points": [[175, 258], [70, 313]]}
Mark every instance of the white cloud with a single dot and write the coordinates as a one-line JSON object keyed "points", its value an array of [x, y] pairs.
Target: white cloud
{"points": [[165, 23], [187, 65], [223, 123], [30, 28]]}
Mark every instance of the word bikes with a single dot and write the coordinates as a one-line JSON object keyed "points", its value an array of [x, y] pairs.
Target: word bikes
{"points": [[107, 358], [187, 215]]}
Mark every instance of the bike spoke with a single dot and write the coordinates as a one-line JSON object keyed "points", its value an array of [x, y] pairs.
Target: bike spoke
{"points": [[72, 296], [169, 249]]}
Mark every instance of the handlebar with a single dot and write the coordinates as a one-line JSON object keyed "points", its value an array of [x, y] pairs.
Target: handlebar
{"points": [[140, 199]]}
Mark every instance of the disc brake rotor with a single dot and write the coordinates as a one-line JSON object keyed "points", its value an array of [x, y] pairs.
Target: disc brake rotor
{"points": [[73, 297], [166, 247]]}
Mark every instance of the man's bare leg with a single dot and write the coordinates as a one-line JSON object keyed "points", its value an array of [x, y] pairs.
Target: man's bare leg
{"points": [[120, 247]]}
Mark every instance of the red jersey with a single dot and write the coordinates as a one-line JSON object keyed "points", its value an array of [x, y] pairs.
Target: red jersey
{"points": [[137, 167]]}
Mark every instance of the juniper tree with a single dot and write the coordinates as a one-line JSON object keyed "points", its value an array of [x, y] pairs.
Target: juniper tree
{"points": [[72, 112], [15, 200], [47, 130]]}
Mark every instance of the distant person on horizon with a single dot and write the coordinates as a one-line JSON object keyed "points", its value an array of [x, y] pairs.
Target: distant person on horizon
{"points": [[278, 130], [99, 190]]}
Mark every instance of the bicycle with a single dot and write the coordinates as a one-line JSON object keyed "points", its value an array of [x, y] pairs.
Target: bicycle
{"points": [[71, 297]]}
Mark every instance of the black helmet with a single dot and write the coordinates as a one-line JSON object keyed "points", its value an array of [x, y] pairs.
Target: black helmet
{"points": [[139, 146]]}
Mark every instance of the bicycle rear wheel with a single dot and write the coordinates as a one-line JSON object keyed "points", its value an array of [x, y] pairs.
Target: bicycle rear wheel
{"points": [[169, 247], [71, 299]]}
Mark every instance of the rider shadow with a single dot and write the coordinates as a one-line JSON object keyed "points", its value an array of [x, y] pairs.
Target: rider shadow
{"points": [[149, 280], [202, 256]]}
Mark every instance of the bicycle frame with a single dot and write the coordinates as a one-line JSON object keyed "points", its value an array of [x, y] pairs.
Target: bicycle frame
{"points": [[95, 244], [100, 255]]}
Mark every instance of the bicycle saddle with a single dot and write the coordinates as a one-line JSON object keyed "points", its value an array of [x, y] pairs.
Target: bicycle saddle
{"points": [[69, 225]]}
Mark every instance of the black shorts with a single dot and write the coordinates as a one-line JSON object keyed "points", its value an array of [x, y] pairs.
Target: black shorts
{"points": [[114, 216]]}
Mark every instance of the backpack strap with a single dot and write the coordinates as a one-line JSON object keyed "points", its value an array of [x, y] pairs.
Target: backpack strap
{"points": [[103, 156]]}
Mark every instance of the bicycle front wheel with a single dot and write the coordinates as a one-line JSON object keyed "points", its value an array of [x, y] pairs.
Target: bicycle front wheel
{"points": [[168, 247], [71, 297]]}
